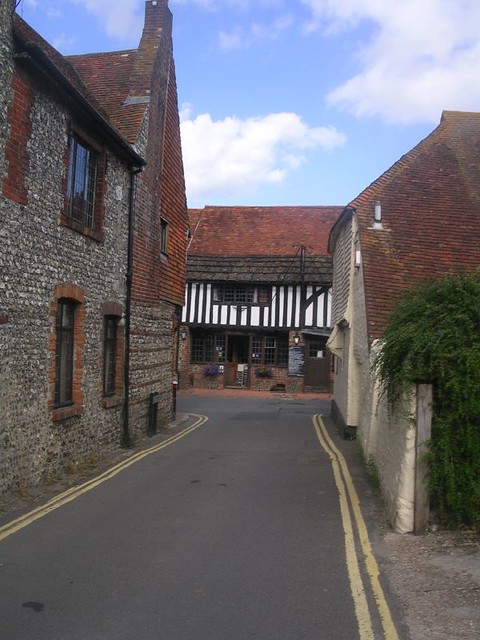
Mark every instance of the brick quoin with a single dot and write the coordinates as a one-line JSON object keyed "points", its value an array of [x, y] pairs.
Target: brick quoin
{"points": [[16, 149]]}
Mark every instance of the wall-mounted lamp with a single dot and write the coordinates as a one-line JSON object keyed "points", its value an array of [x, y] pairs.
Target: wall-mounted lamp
{"points": [[296, 338], [183, 334]]}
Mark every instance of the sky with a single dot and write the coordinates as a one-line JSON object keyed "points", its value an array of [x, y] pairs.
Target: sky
{"points": [[293, 102]]}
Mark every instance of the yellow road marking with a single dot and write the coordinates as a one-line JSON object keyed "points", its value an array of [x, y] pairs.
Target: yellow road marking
{"points": [[371, 566], [69, 495], [362, 611]]}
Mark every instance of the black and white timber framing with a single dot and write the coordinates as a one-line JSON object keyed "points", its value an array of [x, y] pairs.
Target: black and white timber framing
{"points": [[284, 311], [295, 301]]}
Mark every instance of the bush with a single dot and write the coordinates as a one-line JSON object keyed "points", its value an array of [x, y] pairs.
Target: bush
{"points": [[434, 336]]}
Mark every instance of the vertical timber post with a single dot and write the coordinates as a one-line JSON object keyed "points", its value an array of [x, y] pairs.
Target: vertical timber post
{"points": [[423, 435]]}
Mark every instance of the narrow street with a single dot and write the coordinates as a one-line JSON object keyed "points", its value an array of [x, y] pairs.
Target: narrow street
{"points": [[231, 529]]}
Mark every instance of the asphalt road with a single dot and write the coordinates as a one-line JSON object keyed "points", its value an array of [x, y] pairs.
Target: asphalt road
{"points": [[232, 532]]}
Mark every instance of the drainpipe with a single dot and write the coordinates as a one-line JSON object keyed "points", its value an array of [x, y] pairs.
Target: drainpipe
{"points": [[127, 442], [176, 379]]}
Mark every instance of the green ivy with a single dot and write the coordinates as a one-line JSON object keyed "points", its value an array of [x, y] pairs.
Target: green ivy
{"points": [[433, 336]]}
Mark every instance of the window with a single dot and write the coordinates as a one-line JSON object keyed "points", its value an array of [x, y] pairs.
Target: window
{"points": [[81, 185], [270, 350], [241, 294], [67, 314], [64, 352], [164, 237], [317, 349], [110, 347], [208, 347]]}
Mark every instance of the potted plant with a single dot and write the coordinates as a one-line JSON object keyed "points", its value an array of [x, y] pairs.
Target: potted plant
{"points": [[210, 370], [262, 371]]}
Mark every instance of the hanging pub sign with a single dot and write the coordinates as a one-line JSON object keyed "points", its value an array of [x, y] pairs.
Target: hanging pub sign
{"points": [[296, 361]]}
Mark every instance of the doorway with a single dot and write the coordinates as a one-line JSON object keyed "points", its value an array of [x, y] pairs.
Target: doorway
{"points": [[238, 348], [317, 364]]}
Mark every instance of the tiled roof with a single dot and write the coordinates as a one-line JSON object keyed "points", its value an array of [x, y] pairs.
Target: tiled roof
{"points": [[122, 80], [42, 55], [260, 269], [261, 231], [107, 76], [430, 203], [29, 38]]}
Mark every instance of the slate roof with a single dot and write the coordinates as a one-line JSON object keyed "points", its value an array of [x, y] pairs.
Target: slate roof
{"points": [[430, 203], [261, 231]]}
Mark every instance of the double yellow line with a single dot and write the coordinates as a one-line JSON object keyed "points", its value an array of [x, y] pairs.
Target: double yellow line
{"points": [[75, 492], [350, 504]]}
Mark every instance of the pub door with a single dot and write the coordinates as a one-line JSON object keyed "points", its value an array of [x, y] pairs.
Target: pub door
{"points": [[238, 348]]}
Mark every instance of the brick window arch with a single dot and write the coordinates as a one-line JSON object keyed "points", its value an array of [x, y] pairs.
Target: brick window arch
{"points": [[67, 342]]}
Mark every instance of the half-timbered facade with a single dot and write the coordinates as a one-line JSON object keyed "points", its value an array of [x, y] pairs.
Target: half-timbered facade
{"points": [[258, 301]]}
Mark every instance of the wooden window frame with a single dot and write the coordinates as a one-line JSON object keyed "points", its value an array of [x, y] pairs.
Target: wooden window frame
{"points": [[270, 350], [241, 294], [89, 223], [110, 354], [64, 352], [164, 237], [207, 346], [72, 294]]}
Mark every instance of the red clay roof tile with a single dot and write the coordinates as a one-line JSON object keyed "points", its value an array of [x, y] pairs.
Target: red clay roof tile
{"points": [[261, 231], [430, 203]]}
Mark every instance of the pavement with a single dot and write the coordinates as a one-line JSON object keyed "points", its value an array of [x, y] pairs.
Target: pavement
{"points": [[434, 579]]}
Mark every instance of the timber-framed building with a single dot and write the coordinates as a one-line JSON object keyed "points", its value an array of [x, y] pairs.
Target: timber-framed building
{"points": [[257, 309]]}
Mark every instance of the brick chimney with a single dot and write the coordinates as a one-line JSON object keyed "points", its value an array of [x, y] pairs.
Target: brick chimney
{"points": [[157, 15], [156, 36]]}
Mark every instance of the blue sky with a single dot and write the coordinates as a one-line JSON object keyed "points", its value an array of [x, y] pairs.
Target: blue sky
{"points": [[287, 102]]}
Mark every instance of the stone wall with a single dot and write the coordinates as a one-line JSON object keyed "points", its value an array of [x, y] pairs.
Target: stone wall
{"points": [[151, 365], [39, 255]]}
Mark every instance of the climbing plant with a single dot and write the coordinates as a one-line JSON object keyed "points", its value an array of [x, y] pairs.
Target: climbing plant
{"points": [[433, 336]]}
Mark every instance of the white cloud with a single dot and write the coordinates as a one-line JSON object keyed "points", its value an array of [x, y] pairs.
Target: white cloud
{"points": [[227, 4], [234, 155], [241, 38], [121, 18], [416, 57], [63, 41]]}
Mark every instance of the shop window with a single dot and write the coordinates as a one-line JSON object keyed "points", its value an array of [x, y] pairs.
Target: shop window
{"points": [[207, 346]]}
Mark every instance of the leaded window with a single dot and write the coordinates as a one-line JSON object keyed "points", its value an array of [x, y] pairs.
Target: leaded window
{"points": [[82, 170], [241, 294], [164, 237], [110, 355], [64, 352], [208, 346], [270, 349]]}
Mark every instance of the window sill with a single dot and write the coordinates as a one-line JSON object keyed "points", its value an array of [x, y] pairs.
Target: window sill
{"points": [[63, 413], [98, 236], [112, 401]]}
